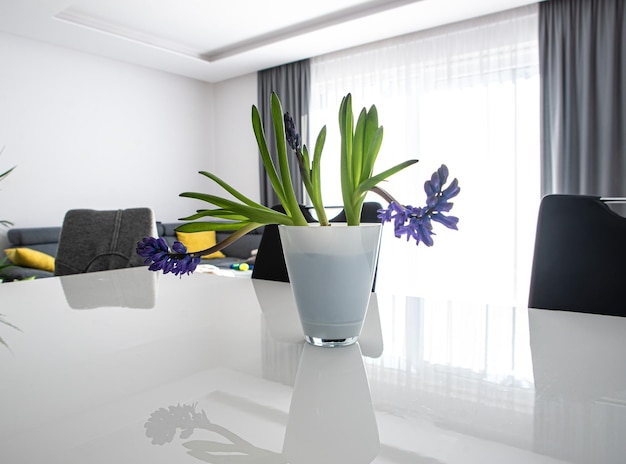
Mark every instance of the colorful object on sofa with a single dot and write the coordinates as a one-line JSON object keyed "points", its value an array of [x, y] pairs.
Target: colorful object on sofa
{"points": [[42, 239], [197, 241], [30, 258]]}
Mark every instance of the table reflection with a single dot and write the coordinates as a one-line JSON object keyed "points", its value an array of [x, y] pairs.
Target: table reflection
{"points": [[331, 418], [580, 385], [111, 289]]}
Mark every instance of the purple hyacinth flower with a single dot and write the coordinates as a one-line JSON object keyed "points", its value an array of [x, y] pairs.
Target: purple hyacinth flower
{"points": [[157, 255], [449, 221], [291, 134]]}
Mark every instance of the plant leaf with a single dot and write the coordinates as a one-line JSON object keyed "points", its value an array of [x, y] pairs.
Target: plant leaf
{"points": [[373, 149], [241, 197], [203, 226], [291, 204], [347, 182], [370, 183], [358, 147], [317, 200], [270, 169], [261, 215]]}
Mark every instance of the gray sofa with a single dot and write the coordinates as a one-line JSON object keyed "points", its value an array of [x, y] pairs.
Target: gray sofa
{"points": [[46, 240]]}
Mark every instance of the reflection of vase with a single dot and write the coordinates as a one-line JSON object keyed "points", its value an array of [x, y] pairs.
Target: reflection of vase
{"points": [[279, 310], [331, 418], [331, 270]]}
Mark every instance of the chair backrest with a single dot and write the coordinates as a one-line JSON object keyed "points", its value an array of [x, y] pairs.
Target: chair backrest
{"points": [[270, 261], [579, 262], [93, 240], [369, 213]]}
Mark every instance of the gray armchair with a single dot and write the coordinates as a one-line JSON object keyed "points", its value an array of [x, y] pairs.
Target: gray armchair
{"points": [[93, 240]]}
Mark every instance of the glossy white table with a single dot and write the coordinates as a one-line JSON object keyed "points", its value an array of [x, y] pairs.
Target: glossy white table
{"points": [[134, 367]]}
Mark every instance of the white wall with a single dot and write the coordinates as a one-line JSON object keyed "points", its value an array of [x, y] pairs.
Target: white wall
{"points": [[90, 132], [236, 153]]}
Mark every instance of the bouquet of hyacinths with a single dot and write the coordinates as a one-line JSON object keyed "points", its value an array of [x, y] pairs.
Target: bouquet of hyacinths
{"points": [[360, 145]]}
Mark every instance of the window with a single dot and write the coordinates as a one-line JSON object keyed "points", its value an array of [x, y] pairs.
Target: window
{"points": [[466, 95]]}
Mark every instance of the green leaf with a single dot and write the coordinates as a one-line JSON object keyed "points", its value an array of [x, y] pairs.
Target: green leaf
{"points": [[262, 215], [257, 126], [316, 198], [371, 126], [373, 149], [347, 182], [6, 173], [358, 148], [210, 225], [368, 184], [291, 204], [222, 244], [306, 162], [241, 197]]}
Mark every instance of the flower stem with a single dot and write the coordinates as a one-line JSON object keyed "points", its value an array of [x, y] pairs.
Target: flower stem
{"points": [[224, 243]]}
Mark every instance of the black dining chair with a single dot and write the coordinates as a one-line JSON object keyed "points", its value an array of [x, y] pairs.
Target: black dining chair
{"points": [[579, 261], [93, 240], [270, 261]]}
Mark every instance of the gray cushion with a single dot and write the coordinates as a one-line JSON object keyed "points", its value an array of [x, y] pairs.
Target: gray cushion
{"points": [[26, 236], [242, 247], [18, 273]]}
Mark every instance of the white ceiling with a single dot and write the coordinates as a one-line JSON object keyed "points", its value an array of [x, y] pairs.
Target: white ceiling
{"points": [[213, 40]]}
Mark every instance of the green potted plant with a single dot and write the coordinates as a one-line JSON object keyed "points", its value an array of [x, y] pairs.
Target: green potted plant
{"points": [[331, 268]]}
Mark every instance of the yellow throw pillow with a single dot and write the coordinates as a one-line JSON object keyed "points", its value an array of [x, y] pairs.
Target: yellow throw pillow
{"points": [[197, 241], [30, 258]]}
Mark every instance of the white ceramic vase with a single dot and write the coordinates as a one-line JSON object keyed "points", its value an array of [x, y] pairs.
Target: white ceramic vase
{"points": [[331, 270]]}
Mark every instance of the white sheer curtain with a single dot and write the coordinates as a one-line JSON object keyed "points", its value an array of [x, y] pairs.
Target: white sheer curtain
{"points": [[466, 95]]}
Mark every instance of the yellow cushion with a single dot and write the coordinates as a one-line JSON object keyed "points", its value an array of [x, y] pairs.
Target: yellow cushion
{"points": [[30, 258], [197, 241]]}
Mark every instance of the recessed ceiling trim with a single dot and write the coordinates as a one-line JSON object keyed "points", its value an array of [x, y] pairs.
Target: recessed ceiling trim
{"points": [[90, 22], [312, 25], [373, 7]]}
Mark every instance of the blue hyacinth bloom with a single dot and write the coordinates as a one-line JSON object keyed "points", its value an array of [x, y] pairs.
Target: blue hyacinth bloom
{"points": [[157, 255], [416, 222]]}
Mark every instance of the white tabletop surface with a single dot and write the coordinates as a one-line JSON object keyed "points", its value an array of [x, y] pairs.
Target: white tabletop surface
{"points": [[134, 367]]}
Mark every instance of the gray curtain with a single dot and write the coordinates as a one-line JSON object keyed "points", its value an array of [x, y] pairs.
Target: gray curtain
{"points": [[582, 49], [292, 84]]}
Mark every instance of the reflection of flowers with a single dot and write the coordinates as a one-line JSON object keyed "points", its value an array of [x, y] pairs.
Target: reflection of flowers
{"points": [[10, 325], [162, 425]]}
